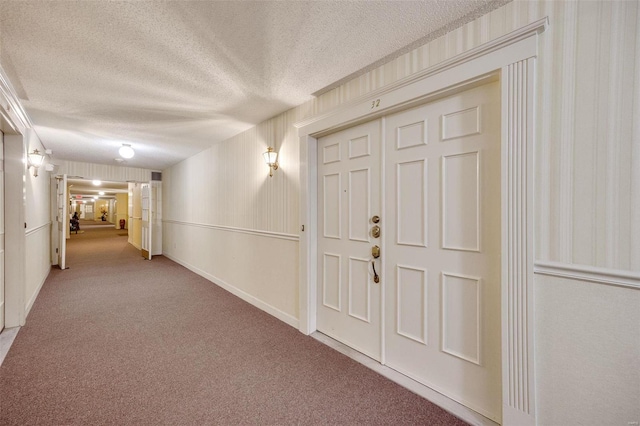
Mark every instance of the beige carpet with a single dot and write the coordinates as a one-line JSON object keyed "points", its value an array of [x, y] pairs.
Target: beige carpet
{"points": [[117, 339]]}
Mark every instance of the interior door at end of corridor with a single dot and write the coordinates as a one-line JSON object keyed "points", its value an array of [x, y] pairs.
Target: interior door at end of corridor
{"points": [[147, 229], [442, 260], [62, 219], [349, 298]]}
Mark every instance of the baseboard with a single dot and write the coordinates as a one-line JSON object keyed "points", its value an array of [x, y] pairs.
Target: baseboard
{"points": [[35, 294], [454, 407], [282, 316]]}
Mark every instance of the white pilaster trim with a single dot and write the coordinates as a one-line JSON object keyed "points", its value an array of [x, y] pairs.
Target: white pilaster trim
{"points": [[518, 379]]}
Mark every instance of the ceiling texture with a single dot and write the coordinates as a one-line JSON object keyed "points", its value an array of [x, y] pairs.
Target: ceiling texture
{"points": [[171, 78]]}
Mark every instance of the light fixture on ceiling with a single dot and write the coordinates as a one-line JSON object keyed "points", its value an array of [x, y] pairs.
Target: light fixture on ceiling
{"points": [[101, 193], [126, 151], [35, 160], [271, 158], [96, 182]]}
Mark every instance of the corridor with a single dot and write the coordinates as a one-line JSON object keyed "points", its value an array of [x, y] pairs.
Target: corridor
{"points": [[116, 339]]}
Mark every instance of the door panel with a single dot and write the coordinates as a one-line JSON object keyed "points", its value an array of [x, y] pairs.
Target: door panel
{"points": [[442, 298], [2, 303], [63, 219], [348, 196], [146, 221]]}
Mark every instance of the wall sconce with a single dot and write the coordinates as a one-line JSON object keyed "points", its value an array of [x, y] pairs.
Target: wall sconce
{"points": [[271, 158], [35, 160]]}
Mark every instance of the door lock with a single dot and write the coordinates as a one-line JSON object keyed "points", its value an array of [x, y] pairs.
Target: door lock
{"points": [[375, 219], [375, 252], [375, 232]]}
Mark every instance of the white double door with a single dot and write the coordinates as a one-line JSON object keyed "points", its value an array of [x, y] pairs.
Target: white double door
{"points": [[432, 176]]}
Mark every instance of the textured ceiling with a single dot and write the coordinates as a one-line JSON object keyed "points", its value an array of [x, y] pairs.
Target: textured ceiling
{"points": [[173, 77]]}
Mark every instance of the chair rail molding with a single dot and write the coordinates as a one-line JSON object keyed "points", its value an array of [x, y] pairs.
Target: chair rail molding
{"points": [[593, 274], [269, 234], [510, 58]]}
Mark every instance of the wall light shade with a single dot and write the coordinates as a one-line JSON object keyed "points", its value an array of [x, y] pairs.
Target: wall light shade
{"points": [[271, 158], [126, 151], [35, 160]]}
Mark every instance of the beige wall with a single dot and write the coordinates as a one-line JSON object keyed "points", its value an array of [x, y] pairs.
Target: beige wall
{"points": [[38, 229], [587, 200], [122, 202], [98, 206]]}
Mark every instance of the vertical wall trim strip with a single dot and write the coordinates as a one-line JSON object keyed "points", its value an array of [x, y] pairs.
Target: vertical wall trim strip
{"points": [[517, 281], [565, 147]]}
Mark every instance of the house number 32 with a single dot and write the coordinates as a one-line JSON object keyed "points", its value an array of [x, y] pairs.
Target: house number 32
{"points": [[375, 104]]}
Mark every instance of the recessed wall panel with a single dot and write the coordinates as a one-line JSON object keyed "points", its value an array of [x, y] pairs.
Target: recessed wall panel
{"points": [[331, 283], [410, 135], [461, 123], [331, 153], [359, 190], [412, 303], [461, 202], [359, 291], [461, 317], [359, 147], [332, 205], [411, 203]]}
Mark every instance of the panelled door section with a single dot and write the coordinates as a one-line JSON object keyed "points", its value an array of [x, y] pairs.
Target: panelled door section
{"points": [[2, 304], [63, 219], [442, 253], [146, 221], [349, 304]]}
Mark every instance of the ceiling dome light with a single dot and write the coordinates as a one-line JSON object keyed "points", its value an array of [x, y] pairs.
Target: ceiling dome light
{"points": [[126, 151], [97, 183]]}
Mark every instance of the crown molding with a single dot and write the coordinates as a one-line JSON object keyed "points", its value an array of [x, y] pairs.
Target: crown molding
{"points": [[10, 103], [534, 28]]}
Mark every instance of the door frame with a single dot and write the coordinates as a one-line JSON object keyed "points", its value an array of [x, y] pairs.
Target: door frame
{"points": [[511, 59]]}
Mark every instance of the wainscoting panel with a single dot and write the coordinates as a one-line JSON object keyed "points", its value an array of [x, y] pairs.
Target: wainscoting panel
{"points": [[259, 269], [38, 243]]}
